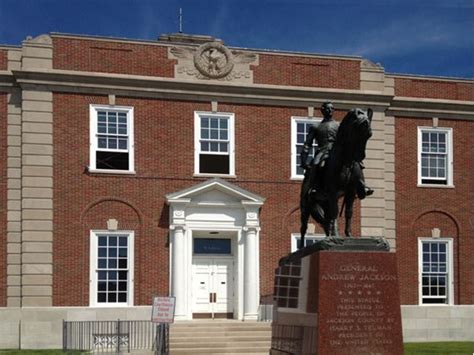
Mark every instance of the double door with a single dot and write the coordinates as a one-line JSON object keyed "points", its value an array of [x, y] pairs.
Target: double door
{"points": [[213, 287]]}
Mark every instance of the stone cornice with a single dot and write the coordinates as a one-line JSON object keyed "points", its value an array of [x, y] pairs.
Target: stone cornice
{"points": [[428, 108], [169, 88], [7, 80]]}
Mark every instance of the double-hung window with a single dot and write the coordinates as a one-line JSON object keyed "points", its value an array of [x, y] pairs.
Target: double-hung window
{"points": [[299, 130], [435, 156], [111, 268], [435, 271], [111, 138], [214, 143]]}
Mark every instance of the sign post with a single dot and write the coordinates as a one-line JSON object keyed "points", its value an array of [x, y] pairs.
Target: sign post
{"points": [[162, 312]]}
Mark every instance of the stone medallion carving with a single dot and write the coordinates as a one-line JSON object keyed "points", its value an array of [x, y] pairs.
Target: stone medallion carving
{"points": [[213, 61]]}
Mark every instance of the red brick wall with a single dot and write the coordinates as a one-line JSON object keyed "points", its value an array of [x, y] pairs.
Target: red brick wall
{"points": [[3, 59], [420, 209], [434, 89], [3, 201], [111, 57], [306, 71], [164, 161]]}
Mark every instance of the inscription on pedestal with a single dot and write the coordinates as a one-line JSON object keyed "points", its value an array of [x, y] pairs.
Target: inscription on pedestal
{"points": [[359, 311]]}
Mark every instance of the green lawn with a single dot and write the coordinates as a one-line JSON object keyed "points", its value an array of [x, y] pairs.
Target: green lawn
{"points": [[441, 348], [36, 352], [448, 348]]}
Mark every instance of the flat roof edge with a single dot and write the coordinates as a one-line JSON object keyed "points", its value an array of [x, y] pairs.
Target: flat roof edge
{"points": [[9, 46], [429, 77]]}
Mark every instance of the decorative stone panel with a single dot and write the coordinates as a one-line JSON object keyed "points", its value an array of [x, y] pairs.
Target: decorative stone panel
{"points": [[213, 61]]}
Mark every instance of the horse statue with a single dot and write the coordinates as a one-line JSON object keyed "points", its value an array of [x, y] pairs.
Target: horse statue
{"points": [[342, 176]]}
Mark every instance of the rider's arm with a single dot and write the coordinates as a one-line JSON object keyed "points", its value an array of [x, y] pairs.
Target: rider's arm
{"points": [[308, 143]]}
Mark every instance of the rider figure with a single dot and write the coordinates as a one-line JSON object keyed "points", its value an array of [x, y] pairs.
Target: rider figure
{"points": [[324, 133]]}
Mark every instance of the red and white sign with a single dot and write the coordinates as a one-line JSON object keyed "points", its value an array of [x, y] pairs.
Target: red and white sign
{"points": [[163, 310]]}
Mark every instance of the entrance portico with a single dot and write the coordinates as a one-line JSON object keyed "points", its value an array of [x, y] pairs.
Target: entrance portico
{"points": [[214, 250]]}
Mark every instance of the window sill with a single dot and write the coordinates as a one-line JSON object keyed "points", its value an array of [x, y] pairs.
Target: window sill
{"points": [[431, 186], [216, 175], [297, 178], [110, 305], [111, 172]]}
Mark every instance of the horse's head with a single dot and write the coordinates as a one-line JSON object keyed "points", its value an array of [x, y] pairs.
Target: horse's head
{"points": [[354, 132]]}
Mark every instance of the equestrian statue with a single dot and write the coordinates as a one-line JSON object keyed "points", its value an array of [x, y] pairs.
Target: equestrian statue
{"points": [[335, 170]]}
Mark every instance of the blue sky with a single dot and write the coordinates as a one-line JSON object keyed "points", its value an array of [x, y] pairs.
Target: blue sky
{"points": [[426, 37]]}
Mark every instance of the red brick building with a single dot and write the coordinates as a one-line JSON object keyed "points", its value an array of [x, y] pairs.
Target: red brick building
{"points": [[140, 168]]}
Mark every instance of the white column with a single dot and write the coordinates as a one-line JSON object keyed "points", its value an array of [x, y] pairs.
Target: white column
{"points": [[178, 281], [251, 273]]}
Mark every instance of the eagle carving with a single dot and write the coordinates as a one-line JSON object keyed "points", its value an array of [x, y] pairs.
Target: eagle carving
{"points": [[213, 60]]}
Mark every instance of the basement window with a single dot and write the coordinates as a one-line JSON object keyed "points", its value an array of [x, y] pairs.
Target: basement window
{"points": [[111, 139], [287, 283]]}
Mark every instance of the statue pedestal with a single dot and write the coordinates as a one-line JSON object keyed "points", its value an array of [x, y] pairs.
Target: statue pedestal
{"points": [[348, 303]]}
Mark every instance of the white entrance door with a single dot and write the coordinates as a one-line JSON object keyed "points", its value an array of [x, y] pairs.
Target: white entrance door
{"points": [[213, 287]]}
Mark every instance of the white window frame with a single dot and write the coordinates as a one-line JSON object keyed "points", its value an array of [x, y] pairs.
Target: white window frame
{"points": [[309, 236], [93, 114], [94, 234], [449, 155], [294, 158], [450, 270], [197, 139]]}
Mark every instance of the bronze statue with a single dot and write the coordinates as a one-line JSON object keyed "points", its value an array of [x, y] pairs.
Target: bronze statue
{"points": [[336, 169]]}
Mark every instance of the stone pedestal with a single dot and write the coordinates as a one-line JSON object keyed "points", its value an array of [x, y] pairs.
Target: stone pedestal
{"points": [[348, 301], [355, 296]]}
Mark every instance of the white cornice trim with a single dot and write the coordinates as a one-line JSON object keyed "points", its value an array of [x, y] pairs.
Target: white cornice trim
{"points": [[170, 88], [428, 108]]}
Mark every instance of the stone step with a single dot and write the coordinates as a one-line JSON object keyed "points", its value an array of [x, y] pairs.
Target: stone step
{"points": [[220, 337], [219, 333], [212, 325], [210, 344], [214, 350], [208, 339]]}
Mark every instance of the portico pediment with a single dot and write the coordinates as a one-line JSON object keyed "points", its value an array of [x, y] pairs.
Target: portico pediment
{"points": [[215, 192]]}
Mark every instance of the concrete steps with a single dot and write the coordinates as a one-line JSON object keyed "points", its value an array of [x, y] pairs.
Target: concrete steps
{"points": [[220, 337]]}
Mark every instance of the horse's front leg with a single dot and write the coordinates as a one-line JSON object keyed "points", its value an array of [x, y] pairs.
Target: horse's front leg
{"points": [[349, 204], [332, 217], [303, 226]]}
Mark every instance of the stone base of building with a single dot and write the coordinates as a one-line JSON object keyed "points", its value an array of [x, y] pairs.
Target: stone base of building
{"points": [[41, 328]]}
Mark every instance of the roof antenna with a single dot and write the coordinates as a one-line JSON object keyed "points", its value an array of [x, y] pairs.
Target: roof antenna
{"points": [[180, 20]]}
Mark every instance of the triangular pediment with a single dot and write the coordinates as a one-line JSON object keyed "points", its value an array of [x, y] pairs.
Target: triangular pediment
{"points": [[215, 191]]}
